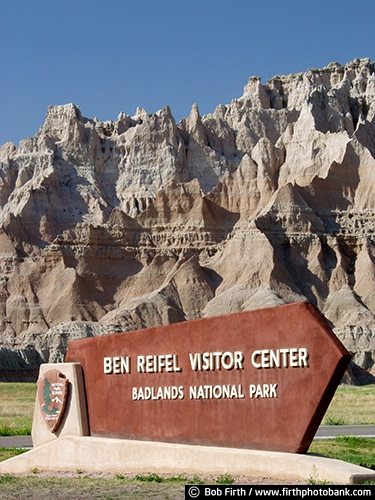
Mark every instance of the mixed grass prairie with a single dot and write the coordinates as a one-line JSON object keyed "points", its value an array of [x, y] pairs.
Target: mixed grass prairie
{"points": [[353, 449], [17, 402], [84, 487], [352, 405]]}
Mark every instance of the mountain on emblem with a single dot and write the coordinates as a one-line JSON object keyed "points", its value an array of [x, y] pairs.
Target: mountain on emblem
{"points": [[52, 391]]}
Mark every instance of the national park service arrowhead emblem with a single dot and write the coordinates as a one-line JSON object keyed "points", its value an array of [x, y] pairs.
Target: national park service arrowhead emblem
{"points": [[52, 391]]}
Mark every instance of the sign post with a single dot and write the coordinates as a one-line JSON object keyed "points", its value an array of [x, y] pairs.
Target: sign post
{"points": [[258, 380]]}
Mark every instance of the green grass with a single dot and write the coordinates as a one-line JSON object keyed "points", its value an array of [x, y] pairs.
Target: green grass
{"points": [[15, 431], [141, 486], [352, 405], [17, 402], [353, 449], [6, 453], [87, 488], [225, 479]]}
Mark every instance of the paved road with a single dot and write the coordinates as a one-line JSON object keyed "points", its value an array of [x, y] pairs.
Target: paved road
{"points": [[16, 441], [324, 432], [332, 431]]}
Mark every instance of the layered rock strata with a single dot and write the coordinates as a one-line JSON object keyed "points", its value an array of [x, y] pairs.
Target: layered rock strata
{"points": [[121, 225]]}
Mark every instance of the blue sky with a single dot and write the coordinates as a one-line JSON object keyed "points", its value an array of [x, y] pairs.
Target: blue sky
{"points": [[108, 56]]}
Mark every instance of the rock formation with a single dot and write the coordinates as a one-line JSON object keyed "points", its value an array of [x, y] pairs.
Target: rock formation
{"points": [[115, 226]]}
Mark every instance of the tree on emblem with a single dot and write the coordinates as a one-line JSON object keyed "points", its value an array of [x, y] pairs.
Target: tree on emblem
{"points": [[52, 394], [47, 398]]}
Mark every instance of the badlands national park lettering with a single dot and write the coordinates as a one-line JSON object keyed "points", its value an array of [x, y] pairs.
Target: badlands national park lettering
{"points": [[296, 357]]}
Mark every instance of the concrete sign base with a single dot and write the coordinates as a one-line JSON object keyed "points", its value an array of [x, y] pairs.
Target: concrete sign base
{"points": [[92, 454]]}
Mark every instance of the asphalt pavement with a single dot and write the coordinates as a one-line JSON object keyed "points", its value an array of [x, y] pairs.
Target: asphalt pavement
{"points": [[332, 431], [16, 441], [324, 432]]}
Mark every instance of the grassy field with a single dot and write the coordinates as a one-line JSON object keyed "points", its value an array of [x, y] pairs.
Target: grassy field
{"points": [[352, 405], [6, 453], [16, 408], [353, 449], [84, 487]]}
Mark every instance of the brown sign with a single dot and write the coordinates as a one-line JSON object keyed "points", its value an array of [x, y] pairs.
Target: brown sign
{"points": [[261, 379], [52, 391]]}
